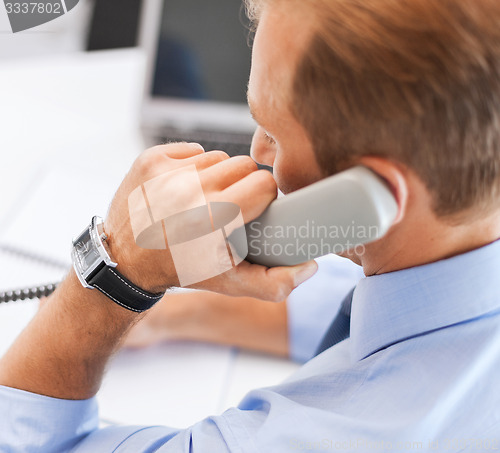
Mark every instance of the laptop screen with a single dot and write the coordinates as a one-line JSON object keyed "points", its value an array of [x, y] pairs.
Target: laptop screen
{"points": [[203, 52]]}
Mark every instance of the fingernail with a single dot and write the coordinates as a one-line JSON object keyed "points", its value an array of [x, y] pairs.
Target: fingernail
{"points": [[305, 272], [196, 144]]}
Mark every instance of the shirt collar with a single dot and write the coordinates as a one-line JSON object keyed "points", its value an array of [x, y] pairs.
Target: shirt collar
{"points": [[389, 308]]}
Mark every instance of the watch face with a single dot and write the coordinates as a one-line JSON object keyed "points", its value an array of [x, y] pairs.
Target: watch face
{"points": [[87, 256]]}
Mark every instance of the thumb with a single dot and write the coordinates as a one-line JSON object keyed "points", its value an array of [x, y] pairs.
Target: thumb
{"points": [[253, 280], [276, 283], [303, 272]]}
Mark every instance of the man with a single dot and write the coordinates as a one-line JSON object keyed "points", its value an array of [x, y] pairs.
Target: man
{"points": [[410, 89]]}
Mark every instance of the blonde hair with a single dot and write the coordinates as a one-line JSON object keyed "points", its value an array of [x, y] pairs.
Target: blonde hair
{"points": [[416, 81]]}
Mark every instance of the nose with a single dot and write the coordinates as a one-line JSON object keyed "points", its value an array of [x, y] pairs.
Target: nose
{"points": [[262, 150]]}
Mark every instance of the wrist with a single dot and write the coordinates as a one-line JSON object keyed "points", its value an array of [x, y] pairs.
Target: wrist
{"points": [[145, 268], [96, 268], [77, 299]]}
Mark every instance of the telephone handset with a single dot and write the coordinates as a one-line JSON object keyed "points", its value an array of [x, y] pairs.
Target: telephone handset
{"points": [[345, 210]]}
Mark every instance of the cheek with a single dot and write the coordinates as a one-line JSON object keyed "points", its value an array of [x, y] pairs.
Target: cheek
{"points": [[289, 175]]}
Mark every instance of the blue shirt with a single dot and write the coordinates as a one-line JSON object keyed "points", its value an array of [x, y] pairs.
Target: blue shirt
{"points": [[421, 371], [312, 305]]}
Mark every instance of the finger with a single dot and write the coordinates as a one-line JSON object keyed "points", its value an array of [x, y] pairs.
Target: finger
{"points": [[208, 159], [177, 155], [273, 284], [181, 150], [227, 172], [252, 194], [276, 283], [171, 154]]}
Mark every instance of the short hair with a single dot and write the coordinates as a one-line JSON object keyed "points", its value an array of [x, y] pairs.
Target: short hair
{"points": [[415, 81]]}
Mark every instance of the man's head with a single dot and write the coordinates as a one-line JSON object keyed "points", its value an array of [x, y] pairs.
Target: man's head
{"points": [[408, 87], [280, 141]]}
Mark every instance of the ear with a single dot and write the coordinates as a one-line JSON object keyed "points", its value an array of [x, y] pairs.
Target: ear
{"points": [[395, 177]]}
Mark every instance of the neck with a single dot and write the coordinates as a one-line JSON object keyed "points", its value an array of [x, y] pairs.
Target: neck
{"points": [[425, 239]]}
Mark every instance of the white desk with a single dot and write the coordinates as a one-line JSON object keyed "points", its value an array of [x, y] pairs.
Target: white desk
{"points": [[65, 120]]}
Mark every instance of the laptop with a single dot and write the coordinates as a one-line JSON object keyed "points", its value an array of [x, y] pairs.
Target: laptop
{"points": [[197, 74]]}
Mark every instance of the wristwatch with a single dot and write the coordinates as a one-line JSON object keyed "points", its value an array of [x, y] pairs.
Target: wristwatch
{"points": [[95, 268]]}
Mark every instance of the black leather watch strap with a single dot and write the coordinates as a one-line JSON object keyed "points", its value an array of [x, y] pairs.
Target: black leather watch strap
{"points": [[122, 291]]}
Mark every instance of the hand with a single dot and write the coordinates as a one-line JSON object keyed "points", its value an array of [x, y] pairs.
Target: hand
{"points": [[89, 327], [236, 180], [203, 316]]}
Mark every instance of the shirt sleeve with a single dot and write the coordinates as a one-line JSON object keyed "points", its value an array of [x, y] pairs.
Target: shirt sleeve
{"points": [[35, 423], [205, 436], [32, 423], [313, 305]]}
